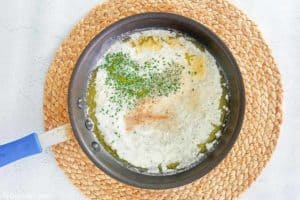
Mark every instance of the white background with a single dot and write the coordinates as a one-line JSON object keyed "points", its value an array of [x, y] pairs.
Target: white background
{"points": [[30, 32]]}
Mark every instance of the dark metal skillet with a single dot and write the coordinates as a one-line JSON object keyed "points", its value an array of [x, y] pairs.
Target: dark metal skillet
{"points": [[78, 89]]}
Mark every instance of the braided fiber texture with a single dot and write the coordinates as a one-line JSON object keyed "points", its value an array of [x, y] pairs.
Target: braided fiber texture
{"points": [[263, 115]]}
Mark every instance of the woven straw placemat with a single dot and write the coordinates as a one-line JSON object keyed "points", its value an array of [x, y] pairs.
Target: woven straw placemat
{"points": [[263, 116]]}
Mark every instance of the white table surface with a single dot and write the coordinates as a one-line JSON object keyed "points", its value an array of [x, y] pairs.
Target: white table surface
{"points": [[30, 32]]}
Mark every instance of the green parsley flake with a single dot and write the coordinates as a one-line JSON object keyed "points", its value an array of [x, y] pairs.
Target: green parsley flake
{"points": [[132, 81]]}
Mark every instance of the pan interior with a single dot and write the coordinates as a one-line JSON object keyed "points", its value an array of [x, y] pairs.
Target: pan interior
{"points": [[82, 124]]}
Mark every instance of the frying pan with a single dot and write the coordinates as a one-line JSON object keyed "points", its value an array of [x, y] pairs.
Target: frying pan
{"points": [[83, 128]]}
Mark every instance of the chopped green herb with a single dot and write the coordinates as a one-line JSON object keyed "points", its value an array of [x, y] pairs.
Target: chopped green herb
{"points": [[173, 165], [202, 148], [131, 81], [92, 115], [160, 168]]}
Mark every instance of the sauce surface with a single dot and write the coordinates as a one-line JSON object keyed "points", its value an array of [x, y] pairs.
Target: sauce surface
{"points": [[158, 100]]}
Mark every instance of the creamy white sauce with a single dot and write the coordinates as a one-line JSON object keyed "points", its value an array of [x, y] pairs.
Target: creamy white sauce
{"points": [[191, 110]]}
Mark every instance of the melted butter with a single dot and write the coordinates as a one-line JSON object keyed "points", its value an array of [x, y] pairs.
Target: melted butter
{"points": [[173, 165], [147, 42], [172, 41], [223, 104], [92, 113], [153, 42], [197, 64]]}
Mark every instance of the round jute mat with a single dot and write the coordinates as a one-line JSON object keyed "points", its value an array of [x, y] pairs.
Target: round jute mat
{"points": [[263, 116]]}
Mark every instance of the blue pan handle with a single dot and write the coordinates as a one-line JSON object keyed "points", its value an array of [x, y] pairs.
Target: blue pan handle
{"points": [[23, 147]]}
